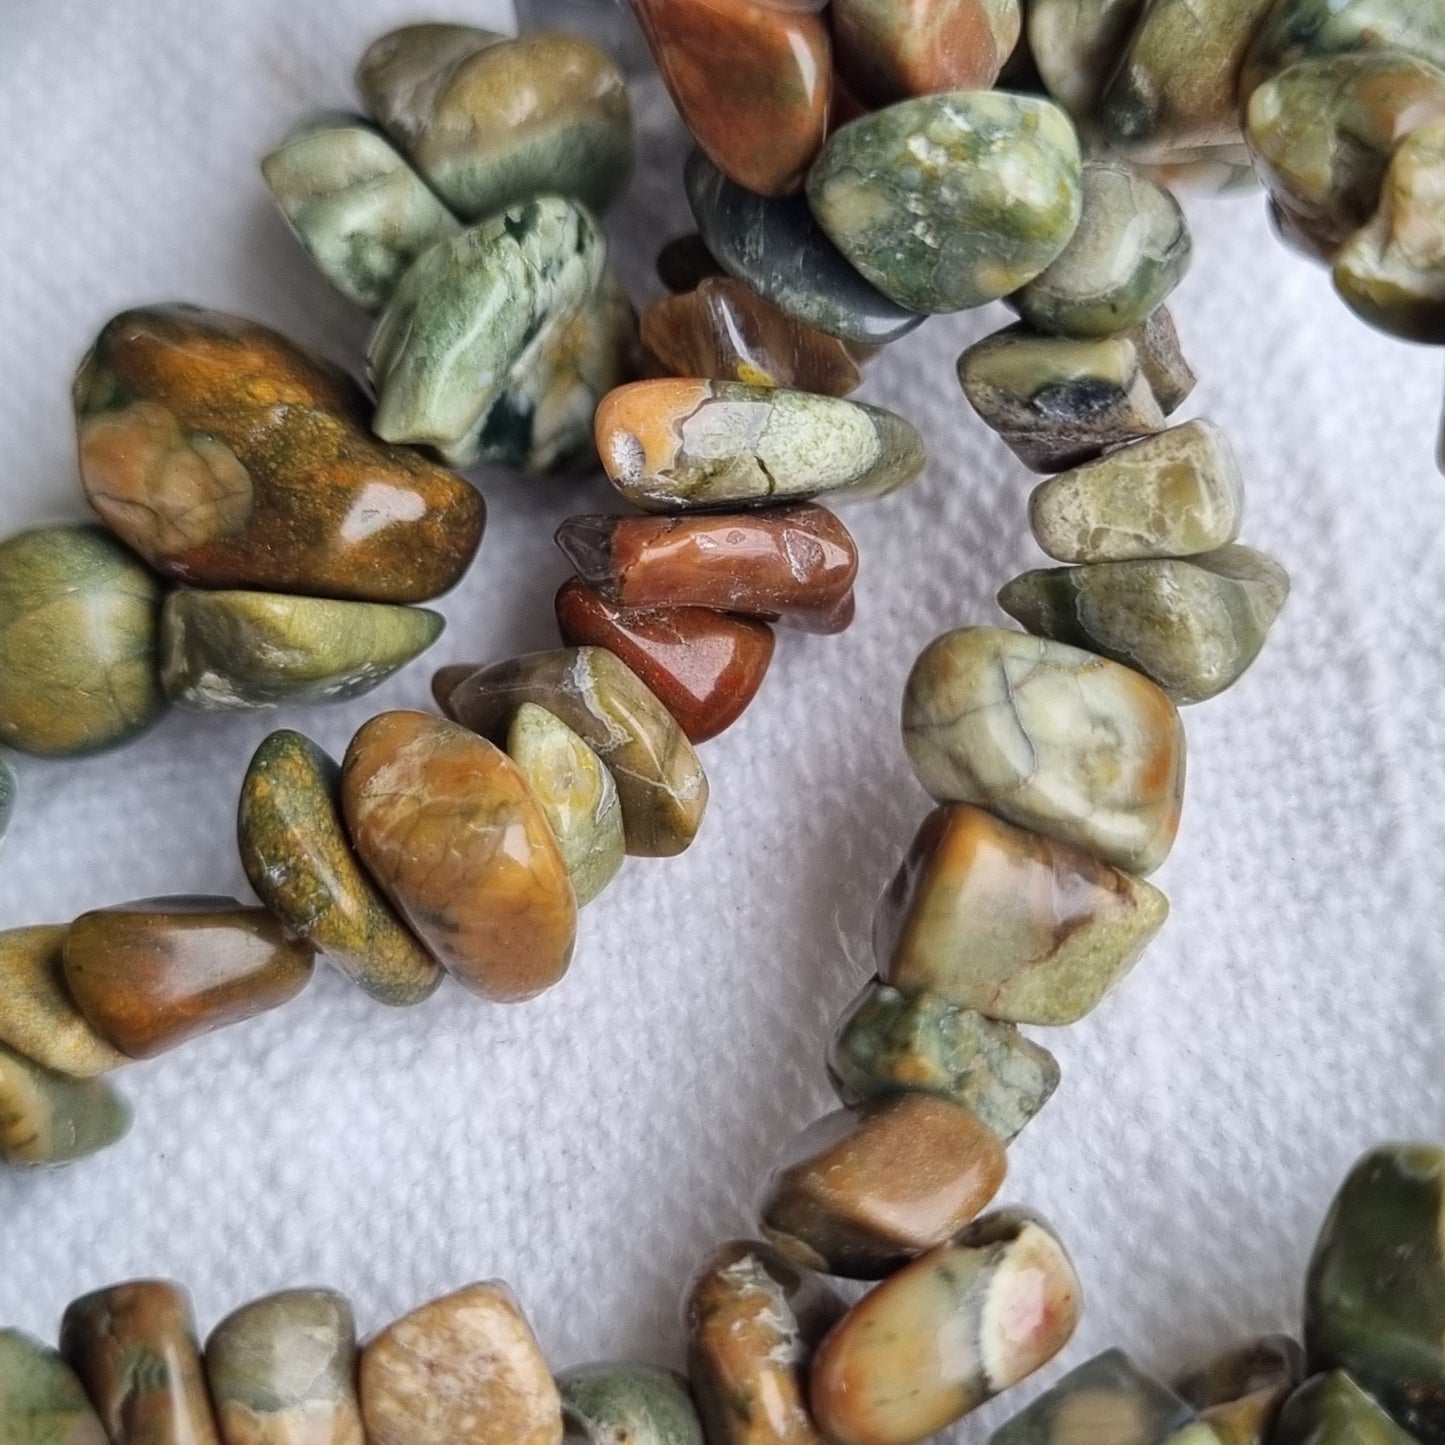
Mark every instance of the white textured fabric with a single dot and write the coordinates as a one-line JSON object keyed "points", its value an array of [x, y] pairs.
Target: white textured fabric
{"points": [[590, 1146]]}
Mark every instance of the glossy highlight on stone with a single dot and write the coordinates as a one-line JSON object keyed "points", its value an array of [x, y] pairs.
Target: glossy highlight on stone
{"points": [[48, 1118], [37, 1015], [608, 1404], [447, 825], [41, 1400], [228, 457]]}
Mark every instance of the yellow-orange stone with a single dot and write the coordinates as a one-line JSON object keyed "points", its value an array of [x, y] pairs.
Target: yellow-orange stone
{"points": [[447, 825]]}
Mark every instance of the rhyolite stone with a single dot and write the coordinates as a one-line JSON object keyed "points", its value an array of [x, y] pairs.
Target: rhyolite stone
{"points": [[1131, 249], [134, 1347], [356, 205], [229, 651], [949, 201], [752, 83], [685, 262], [465, 1369], [1076, 45], [1017, 926], [862, 1192], [607, 1404], [78, 642], [299, 859], [1332, 1409], [491, 122], [1175, 494], [1050, 738], [41, 1400], [577, 795], [675, 445], [448, 826], [776, 247], [705, 667], [1375, 1293], [1240, 1393], [946, 1333], [48, 1118], [282, 1371], [227, 457], [37, 1015], [471, 315], [660, 782], [1162, 360], [890, 1043], [1194, 624]]}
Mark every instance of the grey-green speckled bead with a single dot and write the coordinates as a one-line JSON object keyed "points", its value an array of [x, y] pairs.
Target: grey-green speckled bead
{"points": [[1162, 360], [1173, 494], [229, 651], [949, 201], [888, 1043], [1076, 44], [1333, 1410], [8, 787], [468, 312], [1239, 1394], [1375, 1293], [627, 1405], [354, 202], [577, 795], [78, 622], [1131, 249], [1193, 625], [41, 1400], [49, 1118]]}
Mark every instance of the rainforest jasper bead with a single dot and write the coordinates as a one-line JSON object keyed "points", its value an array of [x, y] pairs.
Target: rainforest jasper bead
{"points": [[48, 1118], [752, 1320], [37, 1017], [223, 651], [462, 1370], [77, 642], [1050, 738], [674, 445], [889, 1043], [447, 825], [1156, 343], [355, 204], [1375, 1295], [1131, 249], [724, 332], [41, 1401], [864, 1192], [1239, 1394], [1175, 494], [946, 1333], [227, 457], [468, 312], [1017, 926], [776, 248], [1193, 625], [705, 667], [790, 564], [1076, 44], [491, 122], [577, 795], [660, 782], [685, 262], [1057, 401], [627, 1405], [1333, 1410], [299, 860], [752, 84], [282, 1371]]}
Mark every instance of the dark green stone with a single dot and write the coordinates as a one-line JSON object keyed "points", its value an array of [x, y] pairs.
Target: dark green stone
{"points": [[1333, 1410]]}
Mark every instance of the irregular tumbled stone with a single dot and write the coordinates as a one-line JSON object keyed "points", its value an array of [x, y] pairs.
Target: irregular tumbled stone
{"points": [[228, 651], [48, 1118], [1130, 250], [675, 445], [1239, 1394], [946, 1333], [888, 1043], [78, 641], [228, 457], [282, 1371], [37, 1015], [627, 1405], [1017, 926], [462, 1370], [492, 122], [1051, 738], [1175, 494], [1162, 360], [471, 315], [1333, 1410], [355, 204], [41, 1400], [1076, 45], [299, 859], [949, 201], [448, 826], [1194, 625]]}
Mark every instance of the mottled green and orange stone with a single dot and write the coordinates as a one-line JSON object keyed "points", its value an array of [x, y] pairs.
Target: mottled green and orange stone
{"points": [[41, 1400]]}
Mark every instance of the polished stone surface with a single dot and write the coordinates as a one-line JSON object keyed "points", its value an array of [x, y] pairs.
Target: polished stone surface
{"points": [[1076, 44], [607, 1404], [37, 1015], [41, 1400], [48, 1118]]}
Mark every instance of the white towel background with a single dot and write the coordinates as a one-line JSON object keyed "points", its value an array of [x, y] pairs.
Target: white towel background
{"points": [[592, 1146]]}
